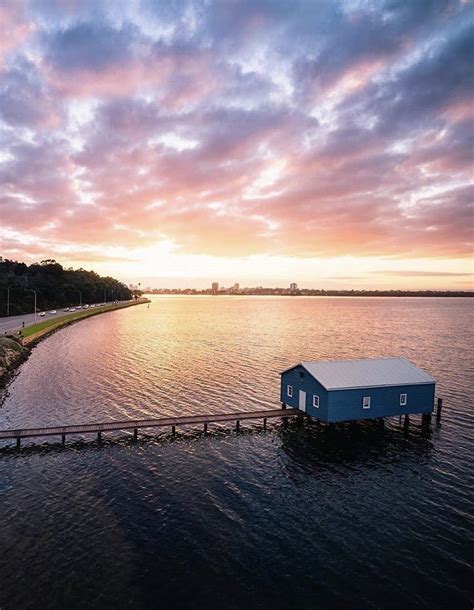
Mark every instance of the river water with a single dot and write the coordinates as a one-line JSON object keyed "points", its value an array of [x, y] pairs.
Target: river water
{"points": [[295, 517]]}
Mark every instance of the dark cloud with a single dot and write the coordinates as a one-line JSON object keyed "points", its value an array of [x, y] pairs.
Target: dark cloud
{"points": [[345, 39], [90, 46], [413, 97], [24, 99]]}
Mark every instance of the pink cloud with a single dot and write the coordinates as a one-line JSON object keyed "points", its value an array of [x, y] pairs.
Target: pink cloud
{"points": [[15, 26], [206, 137]]}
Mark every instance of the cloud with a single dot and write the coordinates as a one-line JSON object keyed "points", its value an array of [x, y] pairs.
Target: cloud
{"points": [[16, 28], [411, 98], [410, 273], [231, 130], [24, 99], [89, 46]]}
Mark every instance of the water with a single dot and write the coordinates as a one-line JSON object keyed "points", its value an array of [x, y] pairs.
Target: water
{"points": [[295, 517]]}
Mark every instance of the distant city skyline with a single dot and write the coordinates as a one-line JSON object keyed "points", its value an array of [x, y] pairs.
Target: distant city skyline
{"points": [[232, 286], [403, 280]]}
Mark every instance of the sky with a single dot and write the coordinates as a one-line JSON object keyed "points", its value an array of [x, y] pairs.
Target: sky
{"points": [[254, 141]]}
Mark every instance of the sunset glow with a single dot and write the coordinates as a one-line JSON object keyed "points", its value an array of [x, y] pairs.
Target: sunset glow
{"points": [[257, 142]]}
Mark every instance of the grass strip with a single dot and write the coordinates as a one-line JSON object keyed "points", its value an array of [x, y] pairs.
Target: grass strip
{"points": [[28, 331]]}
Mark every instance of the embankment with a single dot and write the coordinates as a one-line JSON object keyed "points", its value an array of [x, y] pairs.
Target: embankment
{"points": [[15, 349], [12, 354]]}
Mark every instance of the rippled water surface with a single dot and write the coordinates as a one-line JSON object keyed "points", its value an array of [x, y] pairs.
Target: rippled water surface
{"points": [[299, 516]]}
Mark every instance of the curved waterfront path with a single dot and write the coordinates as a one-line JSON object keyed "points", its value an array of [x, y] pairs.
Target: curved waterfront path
{"points": [[11, 324]]}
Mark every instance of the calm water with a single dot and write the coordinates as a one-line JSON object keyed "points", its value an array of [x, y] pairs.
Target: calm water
{"points": [[296, 517]]}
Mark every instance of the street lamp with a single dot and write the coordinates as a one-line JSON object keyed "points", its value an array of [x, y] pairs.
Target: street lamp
{"points": [[34, 292]]}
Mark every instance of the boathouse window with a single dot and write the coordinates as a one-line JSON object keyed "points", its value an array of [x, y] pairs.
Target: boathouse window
{"points": [[289, 390], [316, 401], [366, 402], [403, 400]]}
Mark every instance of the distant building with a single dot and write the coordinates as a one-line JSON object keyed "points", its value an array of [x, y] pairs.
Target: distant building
{"points": [[293, 286], [215, 287], [345, 390]]}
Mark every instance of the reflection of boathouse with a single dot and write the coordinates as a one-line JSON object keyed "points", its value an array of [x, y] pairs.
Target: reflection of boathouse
{"points": [[344, 390]]}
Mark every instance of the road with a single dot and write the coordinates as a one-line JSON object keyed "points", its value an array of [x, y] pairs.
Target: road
{"points": [[14, 323], [11, 324]]}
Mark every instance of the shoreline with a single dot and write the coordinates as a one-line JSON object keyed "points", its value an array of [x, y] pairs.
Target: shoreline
{"points": [[15, 349]]}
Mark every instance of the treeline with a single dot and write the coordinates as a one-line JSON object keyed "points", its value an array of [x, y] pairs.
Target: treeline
{"points": [[55, 287]]}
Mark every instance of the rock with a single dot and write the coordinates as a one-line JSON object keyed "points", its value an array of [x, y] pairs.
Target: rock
{"points": [[11, 356]]}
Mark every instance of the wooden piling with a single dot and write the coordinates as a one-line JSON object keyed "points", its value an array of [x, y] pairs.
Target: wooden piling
{"points": [[205, 427], [135, 434], [99, 437], [264, 423], [237, 425], [173, 430], [18, 443], [63, 439], [283, 405], [439, 409]]}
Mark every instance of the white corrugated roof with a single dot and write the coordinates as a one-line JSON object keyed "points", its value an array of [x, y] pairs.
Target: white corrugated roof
{"points": [[370, 372]]}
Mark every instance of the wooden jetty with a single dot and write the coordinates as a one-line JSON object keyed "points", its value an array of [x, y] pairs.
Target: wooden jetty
{"points": [[137, 424]]}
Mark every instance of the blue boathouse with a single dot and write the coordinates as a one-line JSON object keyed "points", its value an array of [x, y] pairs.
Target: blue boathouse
{"points": [[345, 390]]}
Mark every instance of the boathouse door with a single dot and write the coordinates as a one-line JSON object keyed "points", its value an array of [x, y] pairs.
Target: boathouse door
{"points": [[302, 404]]}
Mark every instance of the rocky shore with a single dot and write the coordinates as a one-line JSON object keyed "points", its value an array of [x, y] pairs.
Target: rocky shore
{"points": [[12, 354]]}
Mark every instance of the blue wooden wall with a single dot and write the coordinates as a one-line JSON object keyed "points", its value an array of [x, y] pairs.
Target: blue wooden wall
{"points": [[346, 405]]}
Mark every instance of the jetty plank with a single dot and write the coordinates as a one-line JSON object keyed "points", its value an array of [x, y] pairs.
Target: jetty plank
{"points": [[135, 424]]}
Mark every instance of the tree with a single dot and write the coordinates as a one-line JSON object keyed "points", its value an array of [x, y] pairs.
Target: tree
{"points": [[56, 287]]}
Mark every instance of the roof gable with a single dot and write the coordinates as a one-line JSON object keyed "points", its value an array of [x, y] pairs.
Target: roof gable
{"points": [[369, 372]]}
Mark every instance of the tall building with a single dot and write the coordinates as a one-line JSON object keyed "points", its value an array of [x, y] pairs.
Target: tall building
{"points": [[293, 286], [215, 287], [236, 287]]}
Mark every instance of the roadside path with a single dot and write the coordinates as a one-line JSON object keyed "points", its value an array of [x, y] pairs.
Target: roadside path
{"points": [[11, 324]]}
